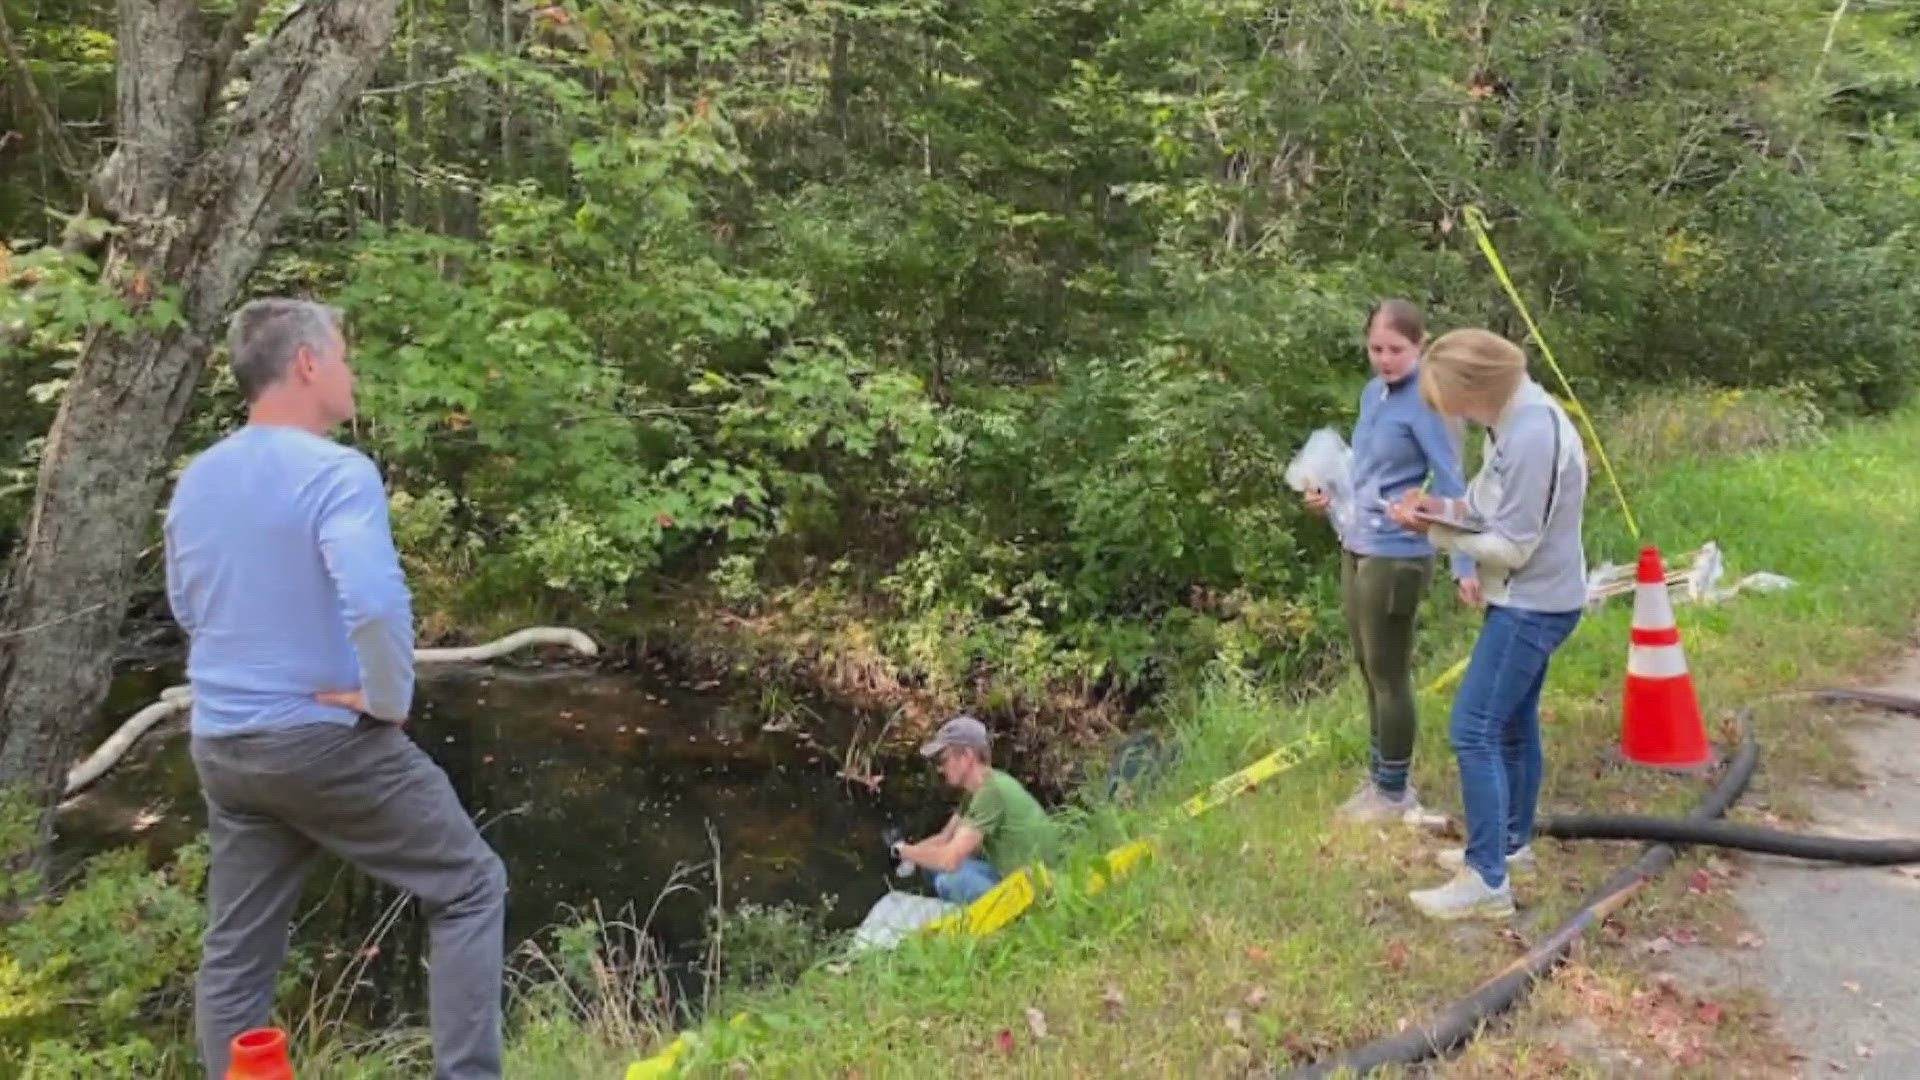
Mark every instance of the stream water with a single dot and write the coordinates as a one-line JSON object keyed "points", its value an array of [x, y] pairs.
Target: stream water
{"points": [[595, 788]]}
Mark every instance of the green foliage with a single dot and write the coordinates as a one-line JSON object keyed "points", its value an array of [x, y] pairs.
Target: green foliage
{"points": [[768, 944], [1661, 428], [1014, 311], [95, 979], [50, 298], [1027, 306]]}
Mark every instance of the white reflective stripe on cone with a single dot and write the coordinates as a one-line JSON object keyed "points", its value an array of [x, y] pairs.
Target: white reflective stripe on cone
{"points": [[1656, 661], [1652, 607]]}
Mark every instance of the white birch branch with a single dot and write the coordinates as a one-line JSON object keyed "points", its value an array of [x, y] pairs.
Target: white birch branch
{"points": [[178, 699]]}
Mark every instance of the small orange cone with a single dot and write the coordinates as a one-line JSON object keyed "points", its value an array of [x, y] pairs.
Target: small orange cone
{"points": [[260, 1054], [1661, 723]]}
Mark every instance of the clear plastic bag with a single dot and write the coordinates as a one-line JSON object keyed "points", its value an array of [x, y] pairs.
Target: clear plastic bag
{"points": [[1326, 462]]}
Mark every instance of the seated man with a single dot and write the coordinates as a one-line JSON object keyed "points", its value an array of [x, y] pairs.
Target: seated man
{"points": [[1001, 829]]}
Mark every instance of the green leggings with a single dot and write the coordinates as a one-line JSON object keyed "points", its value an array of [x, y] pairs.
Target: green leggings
{"points": [[1381, 596]]}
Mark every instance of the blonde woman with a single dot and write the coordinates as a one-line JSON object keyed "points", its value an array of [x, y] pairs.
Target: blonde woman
{"points": [[1520, 524]]}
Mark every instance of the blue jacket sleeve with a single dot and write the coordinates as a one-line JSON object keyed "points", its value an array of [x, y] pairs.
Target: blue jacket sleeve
{"points": [[1443, 464], [356, 543]]}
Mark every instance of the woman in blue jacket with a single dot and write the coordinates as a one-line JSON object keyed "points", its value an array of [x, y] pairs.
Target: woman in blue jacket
{"points": [[1399, 445]]}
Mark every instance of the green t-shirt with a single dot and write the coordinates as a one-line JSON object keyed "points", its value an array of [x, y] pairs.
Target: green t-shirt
{"points": [[1014, 828]]}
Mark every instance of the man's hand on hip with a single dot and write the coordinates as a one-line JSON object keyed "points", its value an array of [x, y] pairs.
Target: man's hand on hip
{"points": [[345, 699]]}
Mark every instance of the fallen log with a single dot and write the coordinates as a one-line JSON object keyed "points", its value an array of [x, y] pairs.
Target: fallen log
{"points": [[178, 699]]}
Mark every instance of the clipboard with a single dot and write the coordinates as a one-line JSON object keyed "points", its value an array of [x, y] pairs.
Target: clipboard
{"points": [[1450, 522]]}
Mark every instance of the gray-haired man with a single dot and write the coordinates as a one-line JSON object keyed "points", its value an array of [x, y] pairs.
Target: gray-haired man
{"points": [[281, 570]]}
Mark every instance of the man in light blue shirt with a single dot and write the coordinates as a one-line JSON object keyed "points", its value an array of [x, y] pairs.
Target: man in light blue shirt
{"points": [[281, 569]]}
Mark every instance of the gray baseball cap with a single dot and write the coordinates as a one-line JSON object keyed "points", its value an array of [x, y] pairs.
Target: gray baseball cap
{"points": [[962, 730]]}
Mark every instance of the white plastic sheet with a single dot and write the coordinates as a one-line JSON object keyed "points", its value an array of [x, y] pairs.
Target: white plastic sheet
{"points": [[896, 915], [1698, 583]]}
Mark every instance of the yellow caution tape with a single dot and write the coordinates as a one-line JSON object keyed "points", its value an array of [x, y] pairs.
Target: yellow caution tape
{"points": [[1250, 777], [662, 1063], [1449, 677], [997, 907], [1016, 892], [1477, 223]]}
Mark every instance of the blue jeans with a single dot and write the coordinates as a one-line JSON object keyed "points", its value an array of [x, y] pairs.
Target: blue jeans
{"points": [[1495, 731], [966, 883]]}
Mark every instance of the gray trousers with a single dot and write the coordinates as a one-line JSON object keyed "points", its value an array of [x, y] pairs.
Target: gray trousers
{"points": [[373, 798]]}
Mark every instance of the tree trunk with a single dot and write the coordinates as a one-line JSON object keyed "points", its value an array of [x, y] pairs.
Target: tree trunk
{"points": [[196, 191]]}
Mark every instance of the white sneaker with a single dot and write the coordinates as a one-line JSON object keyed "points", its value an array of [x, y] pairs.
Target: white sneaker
{"points": [[1371, 804], [1360, 797], [1520, 862], [1465, 897]]}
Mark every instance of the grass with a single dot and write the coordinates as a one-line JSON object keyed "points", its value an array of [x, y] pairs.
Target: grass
{"points": [[1264, 934], [1664, 425], [583, 994]]}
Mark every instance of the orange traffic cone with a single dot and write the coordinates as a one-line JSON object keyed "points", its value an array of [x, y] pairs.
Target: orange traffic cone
{"points": [[1661, 724], [260, 1054]]}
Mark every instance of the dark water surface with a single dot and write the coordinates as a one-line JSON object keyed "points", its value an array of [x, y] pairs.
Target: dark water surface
{"points": [[594, 787]]}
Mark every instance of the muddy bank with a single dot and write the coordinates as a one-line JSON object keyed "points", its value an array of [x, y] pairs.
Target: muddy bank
{"points": [[833, 648]]}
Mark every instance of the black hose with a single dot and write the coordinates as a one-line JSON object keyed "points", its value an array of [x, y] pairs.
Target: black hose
{"points": [[1879, 699], [1726, 834], [1460, 1022]]}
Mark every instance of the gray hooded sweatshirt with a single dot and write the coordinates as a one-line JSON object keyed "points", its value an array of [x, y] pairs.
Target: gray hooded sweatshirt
{"points": [[1528, 498]]}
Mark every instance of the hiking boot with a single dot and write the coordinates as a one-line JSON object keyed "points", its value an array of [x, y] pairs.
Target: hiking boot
{"points": [[1520, 862], [1467, 896], [1370, 804]]}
